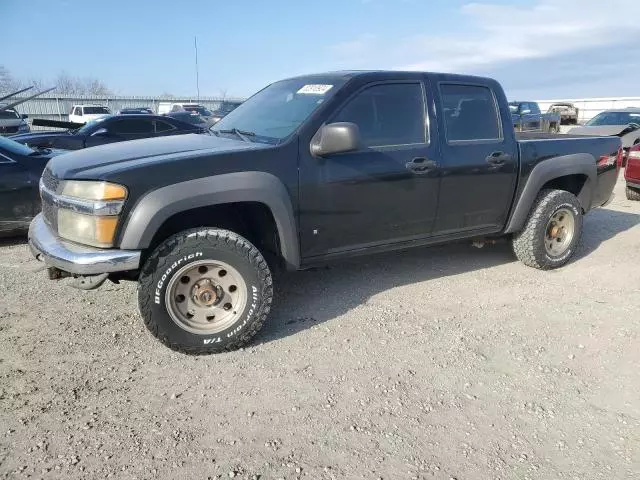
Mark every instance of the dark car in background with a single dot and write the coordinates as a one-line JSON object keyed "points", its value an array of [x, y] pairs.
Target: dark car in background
{"points": [[527, 117], [222, 112], [11, 122], [20, 171], [191, 117], [135, 111], [110, 129]]}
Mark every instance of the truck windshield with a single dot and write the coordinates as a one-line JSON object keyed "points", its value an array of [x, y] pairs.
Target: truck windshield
{"points": [[614, 118], [277, 111], [514, 107]]}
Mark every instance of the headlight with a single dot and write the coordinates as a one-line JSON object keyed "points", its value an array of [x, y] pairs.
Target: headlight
{"points": [[23, 127], [88, 211], [87, 190], [87, 229]]}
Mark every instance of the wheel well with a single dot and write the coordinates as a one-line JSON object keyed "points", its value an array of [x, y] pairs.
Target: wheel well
{"points": [[253, 220], [570, 183]]}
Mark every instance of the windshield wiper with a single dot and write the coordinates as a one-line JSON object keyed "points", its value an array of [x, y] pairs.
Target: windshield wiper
{"points": [[243, 134]]}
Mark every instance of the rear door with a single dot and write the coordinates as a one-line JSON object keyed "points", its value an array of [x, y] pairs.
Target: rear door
{"points": [[479, 159], [381, 194]]}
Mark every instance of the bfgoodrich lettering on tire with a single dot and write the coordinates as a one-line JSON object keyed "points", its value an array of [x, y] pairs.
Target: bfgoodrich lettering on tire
{"points": [[552, 232], [205, 291]]}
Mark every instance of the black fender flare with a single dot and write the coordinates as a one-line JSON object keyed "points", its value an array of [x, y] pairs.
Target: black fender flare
{"points": [[550, 169], [157, 206]]}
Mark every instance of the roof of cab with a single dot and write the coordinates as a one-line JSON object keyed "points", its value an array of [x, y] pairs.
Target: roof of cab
{"points": [[374, 74]]}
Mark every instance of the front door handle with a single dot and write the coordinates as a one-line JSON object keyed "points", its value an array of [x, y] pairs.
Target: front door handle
{"points": [[420, 165], [498, 158]]}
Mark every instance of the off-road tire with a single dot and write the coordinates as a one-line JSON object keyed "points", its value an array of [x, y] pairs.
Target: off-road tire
{"points": [[633, 194], [529, 244], [192, 246]]}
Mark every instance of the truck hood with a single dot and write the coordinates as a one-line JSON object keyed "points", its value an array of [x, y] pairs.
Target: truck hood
{"points": [[98, 161]]}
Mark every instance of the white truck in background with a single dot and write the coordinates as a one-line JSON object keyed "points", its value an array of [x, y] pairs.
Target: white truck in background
{"points": [[86, 113]]}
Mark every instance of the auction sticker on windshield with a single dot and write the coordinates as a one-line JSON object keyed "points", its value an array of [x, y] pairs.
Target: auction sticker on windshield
{"points": [[315, 89]]}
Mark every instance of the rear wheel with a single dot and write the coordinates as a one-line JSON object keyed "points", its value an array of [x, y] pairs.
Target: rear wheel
{"points": [[633, 194], [205, 291], [552, 231]]}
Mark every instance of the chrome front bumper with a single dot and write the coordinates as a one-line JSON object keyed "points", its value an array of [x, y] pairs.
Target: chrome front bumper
{"points": [[77, 259]]}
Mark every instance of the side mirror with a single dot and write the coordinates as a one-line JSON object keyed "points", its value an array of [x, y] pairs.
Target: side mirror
{"points": [[101, 132], [339, 137], [24, 116]]}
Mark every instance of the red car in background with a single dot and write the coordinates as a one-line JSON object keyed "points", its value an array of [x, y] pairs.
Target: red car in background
{"points": [[632, 173]]}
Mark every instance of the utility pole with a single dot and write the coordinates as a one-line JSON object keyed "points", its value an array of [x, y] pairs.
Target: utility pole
{"points": [[195, 44]]}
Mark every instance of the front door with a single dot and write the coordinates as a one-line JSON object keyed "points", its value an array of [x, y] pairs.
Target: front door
{"points": [[381, 194], [479, 162]]}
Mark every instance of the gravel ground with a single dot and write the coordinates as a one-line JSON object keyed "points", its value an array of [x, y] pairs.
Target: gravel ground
{"points": [[445, 363]]}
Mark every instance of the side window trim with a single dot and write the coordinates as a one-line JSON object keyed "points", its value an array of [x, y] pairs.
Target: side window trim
{"points": [[496, 106], [426, 123]]}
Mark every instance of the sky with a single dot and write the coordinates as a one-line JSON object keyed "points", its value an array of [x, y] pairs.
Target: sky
{"points": [[538, 49]]}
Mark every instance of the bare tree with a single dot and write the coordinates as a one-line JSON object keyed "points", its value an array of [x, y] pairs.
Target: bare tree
{"points": [[66, 84], [8, 83], [223, 94]]}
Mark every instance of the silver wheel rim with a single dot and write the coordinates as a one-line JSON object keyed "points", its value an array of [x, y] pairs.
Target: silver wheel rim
{"points": [[559, 232], [206, 297]]}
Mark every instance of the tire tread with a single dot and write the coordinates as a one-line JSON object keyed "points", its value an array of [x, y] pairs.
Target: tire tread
{"points": [[526, 244], [204, 237]]}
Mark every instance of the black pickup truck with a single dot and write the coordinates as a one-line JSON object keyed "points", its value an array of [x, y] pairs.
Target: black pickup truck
{"points": [[311, 169]]}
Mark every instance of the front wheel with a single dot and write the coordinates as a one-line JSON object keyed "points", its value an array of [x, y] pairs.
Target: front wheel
{"points": [[552, 231], [205, 291]]}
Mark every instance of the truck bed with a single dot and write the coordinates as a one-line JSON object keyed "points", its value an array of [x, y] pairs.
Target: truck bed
{"points": [[604, 150]]}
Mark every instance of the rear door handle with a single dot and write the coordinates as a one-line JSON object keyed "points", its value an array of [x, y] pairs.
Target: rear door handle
{"points": [[420, 165], [498, 158]]}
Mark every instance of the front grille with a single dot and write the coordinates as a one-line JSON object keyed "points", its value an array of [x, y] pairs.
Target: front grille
{"points": [[50, 211], [50, 181]]}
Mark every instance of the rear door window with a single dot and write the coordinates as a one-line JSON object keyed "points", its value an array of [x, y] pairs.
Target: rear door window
{"points": [[470, 113], [387, 114]]}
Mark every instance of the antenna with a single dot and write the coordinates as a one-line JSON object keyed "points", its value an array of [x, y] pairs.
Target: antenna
{"points": [[195, 44]]}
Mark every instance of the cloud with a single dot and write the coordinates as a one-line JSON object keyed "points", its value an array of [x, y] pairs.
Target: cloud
{"points": [[499, 34]]}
